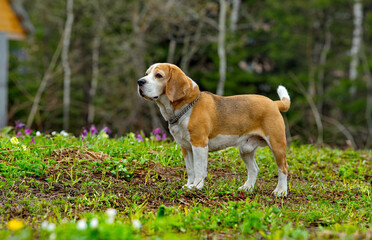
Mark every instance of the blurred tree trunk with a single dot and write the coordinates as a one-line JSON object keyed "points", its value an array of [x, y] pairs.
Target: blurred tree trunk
{"points": [[43, 84], [65, 63], [368, 75], [234, 15], [356, 42], [171, 51], [95, 67], [322, 61], [221, 47]]}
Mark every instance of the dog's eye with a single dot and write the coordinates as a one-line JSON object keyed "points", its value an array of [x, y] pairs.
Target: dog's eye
{"points": [[158, 76]]}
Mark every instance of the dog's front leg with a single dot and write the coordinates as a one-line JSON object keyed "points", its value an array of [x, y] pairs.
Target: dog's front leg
{"points": [[200, 155], [189, 161]]}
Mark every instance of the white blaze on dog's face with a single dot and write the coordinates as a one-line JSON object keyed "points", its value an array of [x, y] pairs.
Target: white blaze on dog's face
{"points": [[152, 85], [168, 79]]}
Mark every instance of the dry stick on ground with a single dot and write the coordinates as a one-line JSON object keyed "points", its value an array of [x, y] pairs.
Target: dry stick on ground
{"points": [[313, 107], [43, 84]]}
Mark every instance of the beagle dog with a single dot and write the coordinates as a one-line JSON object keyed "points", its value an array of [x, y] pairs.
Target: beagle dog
{"points": [[201, 122]]}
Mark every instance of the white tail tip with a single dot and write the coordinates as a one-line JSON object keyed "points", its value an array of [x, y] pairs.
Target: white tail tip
{"points": [[283, 93]]}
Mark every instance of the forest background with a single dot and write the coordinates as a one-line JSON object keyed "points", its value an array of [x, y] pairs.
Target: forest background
{"points": [[80, 66]]}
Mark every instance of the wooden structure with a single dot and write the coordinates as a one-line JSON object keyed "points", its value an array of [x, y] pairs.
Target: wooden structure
{"points": [[14, 25]]}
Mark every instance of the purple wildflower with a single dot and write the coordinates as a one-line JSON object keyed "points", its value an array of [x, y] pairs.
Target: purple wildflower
{"points": [[32, 141], [311, 141], [139, 138], [84, 133], [82, 138], [19, 134], [19, 125], [158, 138], [28, 131], [93, 130], [164, 137], [107, 130], [156, 131]]}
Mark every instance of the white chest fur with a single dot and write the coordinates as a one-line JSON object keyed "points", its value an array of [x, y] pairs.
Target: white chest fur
{"points": [[180, 132]]}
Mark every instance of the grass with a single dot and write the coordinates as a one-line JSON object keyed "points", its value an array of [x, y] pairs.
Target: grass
{"points": [[57, 187]]}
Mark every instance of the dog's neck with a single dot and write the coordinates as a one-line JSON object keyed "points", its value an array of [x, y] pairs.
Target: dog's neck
{"points": [[166, 108]]}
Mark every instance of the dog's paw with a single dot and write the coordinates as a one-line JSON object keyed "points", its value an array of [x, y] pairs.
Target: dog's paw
{"points": [[280, 192], [246, 188], [198, 186]]}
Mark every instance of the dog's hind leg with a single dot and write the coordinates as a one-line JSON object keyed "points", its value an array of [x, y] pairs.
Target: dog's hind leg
{"points": [[279, 152], [247, 151]]}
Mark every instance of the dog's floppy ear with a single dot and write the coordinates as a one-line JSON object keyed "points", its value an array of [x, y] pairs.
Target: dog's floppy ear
{"points": [[177, 84]]}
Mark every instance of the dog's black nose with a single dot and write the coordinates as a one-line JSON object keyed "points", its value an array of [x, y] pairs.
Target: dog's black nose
{"points": [[141, 81]]}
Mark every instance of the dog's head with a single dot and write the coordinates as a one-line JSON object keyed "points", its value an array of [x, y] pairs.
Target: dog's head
{"points": [[165, 78]]}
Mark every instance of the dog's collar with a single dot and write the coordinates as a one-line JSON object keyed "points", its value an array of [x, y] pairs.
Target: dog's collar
{"points": [[185, 110]]}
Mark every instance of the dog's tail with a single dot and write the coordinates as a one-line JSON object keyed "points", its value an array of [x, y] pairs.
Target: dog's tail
{"points": [[285, 100]]}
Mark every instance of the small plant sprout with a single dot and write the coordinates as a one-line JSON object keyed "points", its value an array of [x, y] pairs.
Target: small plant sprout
{"points": [[24, 148], [81, 224], [136, 224], [93, 223], [111, 213], [15, 224]]}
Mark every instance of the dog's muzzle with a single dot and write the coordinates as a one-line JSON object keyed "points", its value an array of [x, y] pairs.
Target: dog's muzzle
{"points": [[141, 82]]}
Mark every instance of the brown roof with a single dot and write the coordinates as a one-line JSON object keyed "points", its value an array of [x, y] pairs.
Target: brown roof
{"points": [[14, 20]]}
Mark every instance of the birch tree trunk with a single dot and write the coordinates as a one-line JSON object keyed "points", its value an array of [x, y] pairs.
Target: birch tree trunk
{"points": [[65, 63], [234, 15], [357, 39], [221, 47], [95, 68]]}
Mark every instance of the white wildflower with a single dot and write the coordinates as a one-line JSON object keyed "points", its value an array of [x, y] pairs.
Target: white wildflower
{"points": [[136, 224], [54, 133], [64, 133], [111, 213], [93, 223], [48, 226], [81, 224], [53, 236], [14, 140], [44, 225], [24, 147], [38, 133], [104, 135]]}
